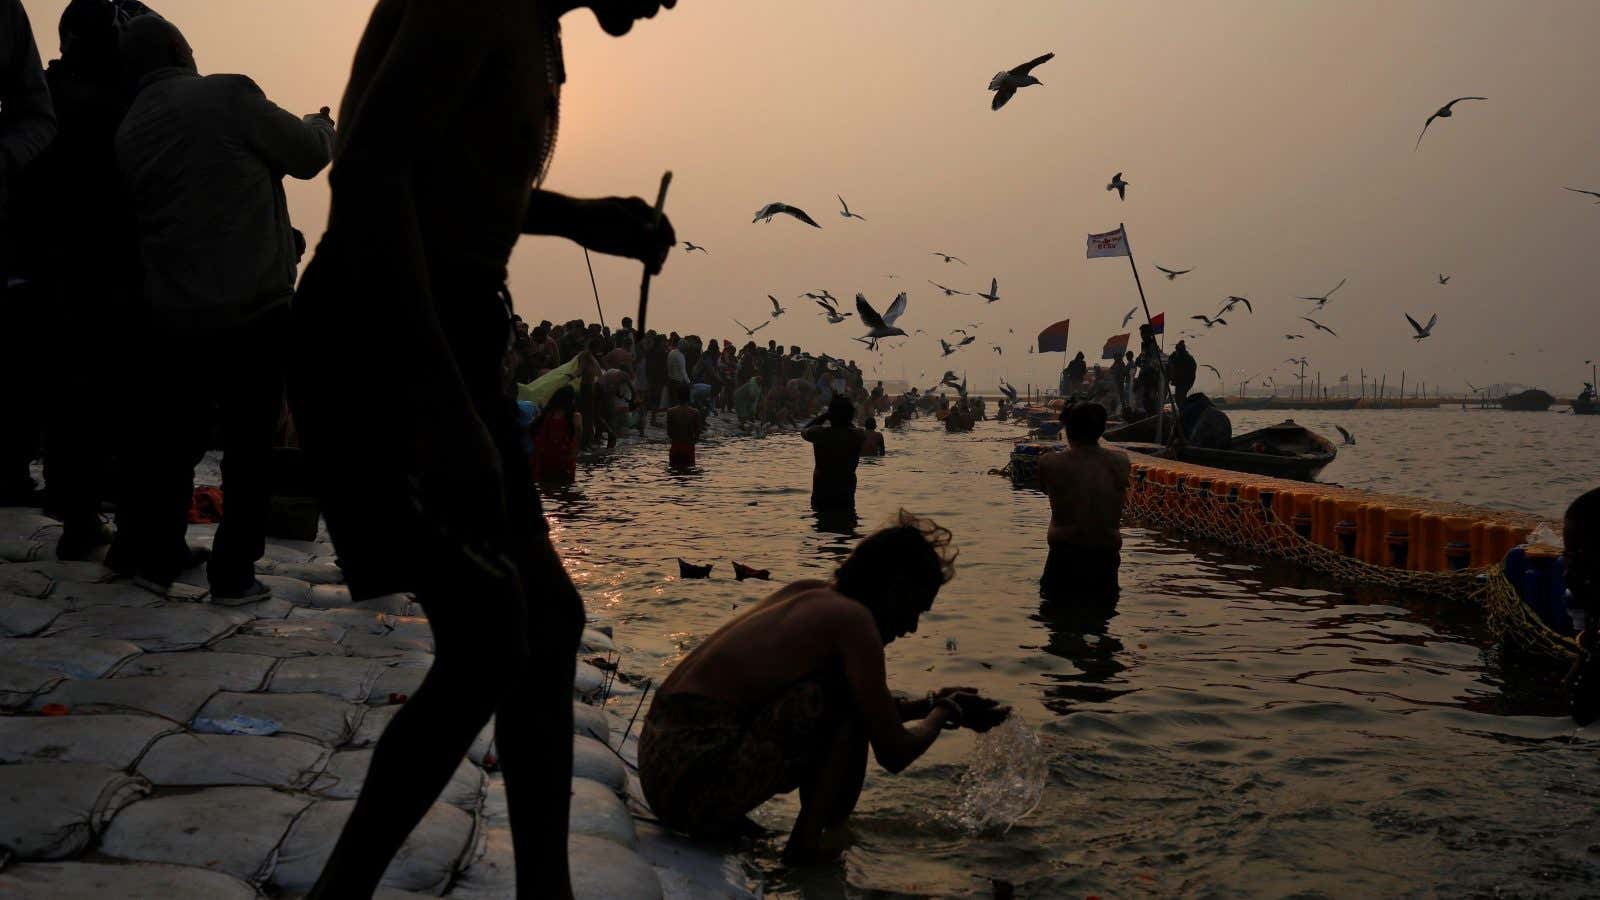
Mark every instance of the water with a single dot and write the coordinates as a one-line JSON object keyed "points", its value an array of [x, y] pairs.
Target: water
{"points": [[1236, 727]]}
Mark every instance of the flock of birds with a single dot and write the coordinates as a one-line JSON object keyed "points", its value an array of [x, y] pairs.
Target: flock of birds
{"points": [[1005, 85]]}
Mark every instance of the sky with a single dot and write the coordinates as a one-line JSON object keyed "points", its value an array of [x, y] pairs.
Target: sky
{"points": [[1268, 145]]}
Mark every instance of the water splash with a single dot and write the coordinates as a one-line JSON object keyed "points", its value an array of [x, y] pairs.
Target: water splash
{"points": [[1004, 780]]}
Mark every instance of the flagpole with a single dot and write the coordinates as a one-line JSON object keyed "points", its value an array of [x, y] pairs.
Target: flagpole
{"points": [[1149, 320]]}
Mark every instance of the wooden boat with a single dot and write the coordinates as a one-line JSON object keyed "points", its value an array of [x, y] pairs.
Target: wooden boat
{"points": [[1286, 450], [1585, 407], [1531, 400]]}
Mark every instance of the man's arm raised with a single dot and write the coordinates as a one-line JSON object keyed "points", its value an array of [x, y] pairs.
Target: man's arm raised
{"points": [[895, 744]]}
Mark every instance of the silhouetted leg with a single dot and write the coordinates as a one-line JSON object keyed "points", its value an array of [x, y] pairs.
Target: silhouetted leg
{"points": [[21, 309], [249, 412], [176, 413], [829, 794]]}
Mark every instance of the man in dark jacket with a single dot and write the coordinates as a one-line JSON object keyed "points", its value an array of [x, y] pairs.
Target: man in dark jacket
{"points": [[27, 126], [203, 161], [1072, 378], [1182, 369]]}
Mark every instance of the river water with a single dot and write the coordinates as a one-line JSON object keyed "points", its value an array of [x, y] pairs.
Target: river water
{"points": [[1235, 728]]}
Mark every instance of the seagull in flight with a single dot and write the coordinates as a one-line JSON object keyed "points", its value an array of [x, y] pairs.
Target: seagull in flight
{"points": [[1172, 274], [945, 345], [1213, 370], [1006, 84], [1129, 317], [690, 247], [1121, 187], [1444, 113], [948, 258], [1422, 332], [765, 213], [1009, 391], [1294, 337], [1443, 278], [845, 210], [832, 312], [750, 332], [777, 308], [967, 340], [960, 331], [994, 291], [1320, 326], [1210, 321], [1323, 300], [1235, 301], [881, 326], [1582, 191], [948, 292], [1348, 437], [996, 348]]}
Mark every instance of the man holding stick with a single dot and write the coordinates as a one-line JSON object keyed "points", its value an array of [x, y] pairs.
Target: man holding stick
{"points": [[450, 119]]}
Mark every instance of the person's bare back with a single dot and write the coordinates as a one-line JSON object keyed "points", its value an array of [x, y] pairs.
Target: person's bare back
{"points": [[1087, 484], [684, 424]]}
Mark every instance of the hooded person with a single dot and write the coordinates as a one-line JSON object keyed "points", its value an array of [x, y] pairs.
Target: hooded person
{"points": [[202, 159]]}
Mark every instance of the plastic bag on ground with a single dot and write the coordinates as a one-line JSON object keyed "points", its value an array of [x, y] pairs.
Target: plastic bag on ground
{"points": [[235, 830], [216, 760], [228, 671], [97, 881], [52, 811], [115, 741], [177, 699], [321, 718], [426, 862]]}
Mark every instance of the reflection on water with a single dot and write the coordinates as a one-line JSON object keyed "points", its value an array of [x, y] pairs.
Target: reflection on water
{"points": [[1230, 726]]}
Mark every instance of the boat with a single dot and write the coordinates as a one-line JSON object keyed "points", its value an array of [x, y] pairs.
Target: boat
{"points": [[1531, 400], [1286, 450], [1585, 406]]}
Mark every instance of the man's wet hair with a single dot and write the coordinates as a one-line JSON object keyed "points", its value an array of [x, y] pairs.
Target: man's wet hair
{"points": [[910, 547], [1086, 422], [841, 412], [1584, 512]]}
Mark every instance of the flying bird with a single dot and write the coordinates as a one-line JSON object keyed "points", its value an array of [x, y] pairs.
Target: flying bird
{"points": [[1293, 337], [1006, 84], [1210, 321], [1582, 191], [1319, 326], [1213, 370], [690, 247], [1009, 391], [777, 308], [832, 312], [948, 258], [948, 292], [1323, 300], [765, 213], [1444, 113], [1348, 437], [994, 291], [997, 350], [1235, 301], [1129, 317], [844, 210], [946, 347], [960, 331], [1173, 274], [748, 331], [879, 327], [1421, 331], [1118, 185], [1443, 278], [967, 340]]}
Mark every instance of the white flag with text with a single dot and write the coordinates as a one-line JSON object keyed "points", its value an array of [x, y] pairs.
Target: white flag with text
{"points": [[1112, 243]]}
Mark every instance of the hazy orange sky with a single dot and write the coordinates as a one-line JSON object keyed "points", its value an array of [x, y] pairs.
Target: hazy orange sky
{"points": [[1268, 145]]}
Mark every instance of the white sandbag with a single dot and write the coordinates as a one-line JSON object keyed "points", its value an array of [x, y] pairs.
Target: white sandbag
{"points": [[589, 682], [65, 570], [98, 881], [214, 760], [54, 810], [596, 642], [157, 629], [372, 726], [226, 829], [400, 677], [602, 870], [321, 718], [73, 596], [228, 671], [16, 551], [597, 812], [279, 550], [15, 579], [385, 646], [22, 521], [345, 677], [330, 596], [411, 627], [280, 647], [309, 572], [291, 589], [595, 762], [23, 616], [297, 626], [177, 699], [592, 721], [346, 772], [74, 657], [19, 684], [489, 872], [109, 740], [426, 862]]}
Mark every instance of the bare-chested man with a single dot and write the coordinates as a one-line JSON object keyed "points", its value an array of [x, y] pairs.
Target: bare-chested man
{"points": [[1087, 484], [449, 122], [792, 692]]}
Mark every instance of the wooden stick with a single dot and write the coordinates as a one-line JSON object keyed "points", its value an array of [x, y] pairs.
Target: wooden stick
{"points": [[644, 286]]}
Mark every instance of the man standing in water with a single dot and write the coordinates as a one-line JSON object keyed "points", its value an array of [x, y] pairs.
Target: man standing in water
{"points": [[449, 120], [837, 449], [792, 693], [684, 424], [1087, 484]]}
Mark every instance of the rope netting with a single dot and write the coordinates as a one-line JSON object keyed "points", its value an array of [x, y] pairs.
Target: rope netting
{"points": [[1190, 507]]}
